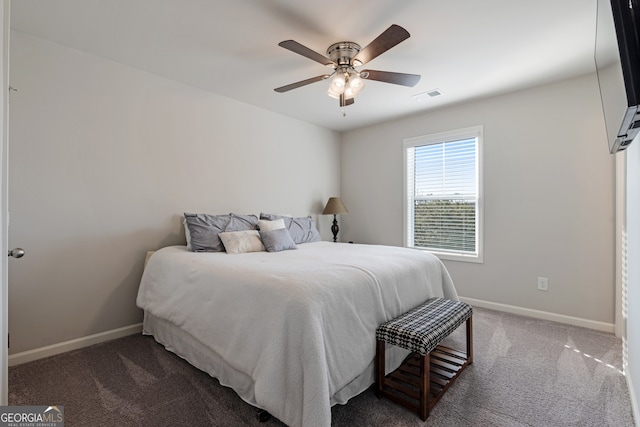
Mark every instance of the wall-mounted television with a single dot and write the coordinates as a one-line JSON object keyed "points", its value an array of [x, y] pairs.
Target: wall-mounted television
{"points": [[618, 48]]}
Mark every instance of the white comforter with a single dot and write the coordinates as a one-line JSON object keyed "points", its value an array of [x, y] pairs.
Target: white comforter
{"points": [[300, 323]]}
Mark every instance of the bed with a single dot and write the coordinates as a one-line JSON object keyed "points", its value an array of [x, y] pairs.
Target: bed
{"points": [[292, 332]]}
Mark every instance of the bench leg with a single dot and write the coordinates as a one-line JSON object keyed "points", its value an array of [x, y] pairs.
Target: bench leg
{"points": [[425, 386], [470, 340], [380, 367]]}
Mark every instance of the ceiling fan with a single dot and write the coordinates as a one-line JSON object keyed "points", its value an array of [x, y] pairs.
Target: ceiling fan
{"points": [[344, 57]]}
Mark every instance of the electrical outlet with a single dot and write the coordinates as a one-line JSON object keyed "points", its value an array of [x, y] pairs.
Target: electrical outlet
{"points": [[543, 284]]}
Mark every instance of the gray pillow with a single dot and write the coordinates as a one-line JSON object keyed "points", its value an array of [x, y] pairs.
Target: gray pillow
{"points": [[242, 222], [302, 229], [277, 240], [204, 229]]}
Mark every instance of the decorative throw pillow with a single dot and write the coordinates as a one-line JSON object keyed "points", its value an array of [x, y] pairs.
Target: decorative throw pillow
{"points": [[239, 242], [277, 240], [302, 229], [266, 225]]}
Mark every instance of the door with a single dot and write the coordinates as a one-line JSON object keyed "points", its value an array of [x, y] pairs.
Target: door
{"points": [[4, 215]]}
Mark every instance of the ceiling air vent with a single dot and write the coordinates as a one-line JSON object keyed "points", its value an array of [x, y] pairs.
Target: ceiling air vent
{"points": [[426, 95]]}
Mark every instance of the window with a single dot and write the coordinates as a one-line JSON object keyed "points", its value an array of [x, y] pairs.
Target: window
{"points": [[443, 194]]}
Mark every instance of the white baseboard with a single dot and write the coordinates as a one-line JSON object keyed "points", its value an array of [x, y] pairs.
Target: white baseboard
{"points": [[561, 318], [51, 350]]}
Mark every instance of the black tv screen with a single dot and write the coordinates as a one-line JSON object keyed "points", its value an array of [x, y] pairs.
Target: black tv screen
{"points": [[625, 15]]}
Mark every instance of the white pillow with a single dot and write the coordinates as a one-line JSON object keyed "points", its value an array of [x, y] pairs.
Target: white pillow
{"points": [[239, 242], [266, 225]]}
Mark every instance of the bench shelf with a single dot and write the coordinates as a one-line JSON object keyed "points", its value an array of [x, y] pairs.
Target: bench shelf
{"points": [[422, 379]]}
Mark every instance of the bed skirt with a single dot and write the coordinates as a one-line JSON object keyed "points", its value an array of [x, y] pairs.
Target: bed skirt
{"points": [[198, 355]]}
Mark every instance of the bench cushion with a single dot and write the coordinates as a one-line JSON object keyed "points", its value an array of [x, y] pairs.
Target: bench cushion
{"points": [[422, 328]]}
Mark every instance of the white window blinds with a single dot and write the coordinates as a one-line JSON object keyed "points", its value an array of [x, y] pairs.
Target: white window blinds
{"points": [[443, 197]]}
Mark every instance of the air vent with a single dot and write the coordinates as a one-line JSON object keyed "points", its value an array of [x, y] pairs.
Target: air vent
{"points": [[423, 96]]}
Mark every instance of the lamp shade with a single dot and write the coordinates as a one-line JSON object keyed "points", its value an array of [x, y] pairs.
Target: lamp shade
{"points": [[334, 206]]}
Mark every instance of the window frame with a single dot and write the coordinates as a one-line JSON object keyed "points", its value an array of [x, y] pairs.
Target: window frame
{"points": [[407, 222]]}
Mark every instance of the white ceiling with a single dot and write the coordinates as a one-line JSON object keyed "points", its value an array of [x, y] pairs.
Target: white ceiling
{"points": [[467, 48]]}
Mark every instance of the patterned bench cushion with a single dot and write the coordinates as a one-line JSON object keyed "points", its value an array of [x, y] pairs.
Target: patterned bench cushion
{"points": [[422, 328]]}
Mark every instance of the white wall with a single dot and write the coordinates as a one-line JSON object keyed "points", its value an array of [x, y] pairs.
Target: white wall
{"points": [[548, 188], [633, 272], [104, 159]]}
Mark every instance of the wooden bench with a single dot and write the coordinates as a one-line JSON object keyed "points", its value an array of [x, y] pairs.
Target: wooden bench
{"points": [[431, 368]]}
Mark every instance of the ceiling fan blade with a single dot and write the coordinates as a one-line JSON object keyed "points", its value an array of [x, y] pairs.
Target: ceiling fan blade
{"points": [[346, 101], [301, 83], [389, 77], [385, 41], [296, 47]]}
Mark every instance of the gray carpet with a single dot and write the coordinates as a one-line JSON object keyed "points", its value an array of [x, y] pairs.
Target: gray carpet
{"points": [[526, 372]]}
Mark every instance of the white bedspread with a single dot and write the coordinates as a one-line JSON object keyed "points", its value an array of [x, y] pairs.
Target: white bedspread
{"points": [[300, 323]]}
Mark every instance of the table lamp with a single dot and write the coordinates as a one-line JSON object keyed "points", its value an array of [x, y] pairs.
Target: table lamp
{"points": [[334, 206]]}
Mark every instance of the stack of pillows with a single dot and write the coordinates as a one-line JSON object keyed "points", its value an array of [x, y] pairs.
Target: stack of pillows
{"points": [[237, 234]]}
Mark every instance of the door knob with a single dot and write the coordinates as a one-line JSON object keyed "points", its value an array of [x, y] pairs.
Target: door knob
{"points": [[16, 252]]}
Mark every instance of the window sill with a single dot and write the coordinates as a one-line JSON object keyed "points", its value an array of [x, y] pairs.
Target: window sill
{"points": [[445, 256]]}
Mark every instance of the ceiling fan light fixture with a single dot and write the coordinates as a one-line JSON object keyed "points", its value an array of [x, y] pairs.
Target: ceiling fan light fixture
{"points": [[346, 81]]}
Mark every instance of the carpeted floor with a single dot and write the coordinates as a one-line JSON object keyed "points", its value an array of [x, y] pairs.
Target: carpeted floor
{"points": [[526, 372]]}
